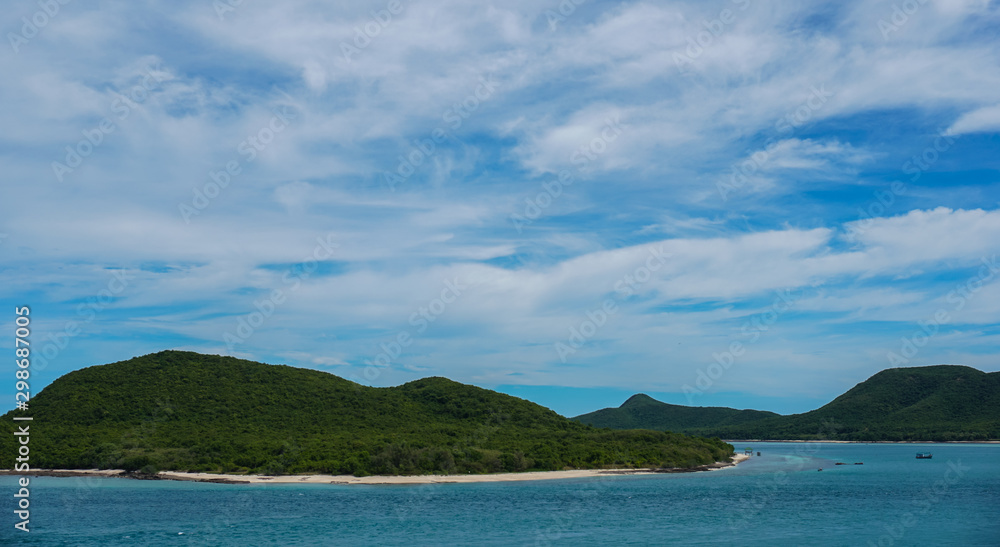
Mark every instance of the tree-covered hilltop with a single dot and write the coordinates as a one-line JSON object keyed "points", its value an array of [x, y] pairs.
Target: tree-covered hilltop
{"points": [[191, 412], [641, 411], [933, 403]]}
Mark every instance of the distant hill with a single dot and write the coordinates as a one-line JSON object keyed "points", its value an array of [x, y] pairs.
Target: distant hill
{"points": [[186, 411], [933, 403], [641, 411]]}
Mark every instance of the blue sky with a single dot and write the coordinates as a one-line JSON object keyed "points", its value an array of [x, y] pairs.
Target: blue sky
{"points": [[739, 203]]}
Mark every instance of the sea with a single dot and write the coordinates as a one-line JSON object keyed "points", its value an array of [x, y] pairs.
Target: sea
{"points": [[791, 494]]}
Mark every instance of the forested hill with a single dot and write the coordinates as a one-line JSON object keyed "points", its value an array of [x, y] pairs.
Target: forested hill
{"points": [[186, 411], [932, 403], [641, 411]]}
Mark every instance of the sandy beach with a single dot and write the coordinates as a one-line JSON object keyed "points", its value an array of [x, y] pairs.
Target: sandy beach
{"points": [[376, 479]]}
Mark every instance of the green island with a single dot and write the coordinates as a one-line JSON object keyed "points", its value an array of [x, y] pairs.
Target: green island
{"points": [[931, 403], [183, 411]]}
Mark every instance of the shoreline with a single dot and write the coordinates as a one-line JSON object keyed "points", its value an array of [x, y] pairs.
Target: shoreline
{"points": [[373, 479], [731, 441]]}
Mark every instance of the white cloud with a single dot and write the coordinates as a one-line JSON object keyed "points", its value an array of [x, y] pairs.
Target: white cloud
{"points": [[982, 120], [935, 235]]}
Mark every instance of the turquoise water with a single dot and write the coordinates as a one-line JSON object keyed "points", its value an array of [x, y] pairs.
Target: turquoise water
{"points": [[777, 499]]}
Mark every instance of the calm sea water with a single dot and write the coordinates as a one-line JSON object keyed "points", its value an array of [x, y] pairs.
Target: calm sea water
{"points": [[779, 498]]}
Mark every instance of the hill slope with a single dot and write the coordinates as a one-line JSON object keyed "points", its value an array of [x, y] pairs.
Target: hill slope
{"points": [[186, 411], [933, 403], [940, 403], [643, 412]]}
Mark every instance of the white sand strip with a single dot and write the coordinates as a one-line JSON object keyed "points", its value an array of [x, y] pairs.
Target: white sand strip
{"points": [[375, 479]]}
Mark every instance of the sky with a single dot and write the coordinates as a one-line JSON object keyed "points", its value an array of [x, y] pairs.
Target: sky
{"points": [[738, 203]]}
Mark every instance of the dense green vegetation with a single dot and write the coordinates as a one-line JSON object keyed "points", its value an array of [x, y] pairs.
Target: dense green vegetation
{"points": [[644, 412], [935, 403], [186, 411]]}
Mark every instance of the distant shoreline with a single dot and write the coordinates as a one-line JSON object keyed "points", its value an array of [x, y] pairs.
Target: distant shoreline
{"points": [[852, 442], [371, 480]]}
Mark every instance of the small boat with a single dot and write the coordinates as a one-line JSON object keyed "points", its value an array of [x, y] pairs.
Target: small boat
{"points": [[859, 463], [924, 455]]}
